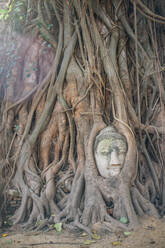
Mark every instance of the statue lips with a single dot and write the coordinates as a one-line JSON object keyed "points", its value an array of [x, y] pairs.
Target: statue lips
{"points": [[116, 165]]}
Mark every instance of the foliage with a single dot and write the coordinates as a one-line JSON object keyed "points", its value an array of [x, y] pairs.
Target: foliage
{"points": [[14, 14]]}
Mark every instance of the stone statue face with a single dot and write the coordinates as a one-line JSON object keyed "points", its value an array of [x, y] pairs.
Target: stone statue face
{"points": [[110, 151]]}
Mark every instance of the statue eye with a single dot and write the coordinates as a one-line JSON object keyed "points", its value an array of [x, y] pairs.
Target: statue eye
{"points": [[104, 153], [122, 152]]}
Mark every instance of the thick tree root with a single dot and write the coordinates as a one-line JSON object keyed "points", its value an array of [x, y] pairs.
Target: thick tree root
{"points": [[94, 81]]}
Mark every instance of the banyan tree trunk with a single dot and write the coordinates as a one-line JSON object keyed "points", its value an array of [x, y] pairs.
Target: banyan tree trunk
{"points": [[69, 69]]}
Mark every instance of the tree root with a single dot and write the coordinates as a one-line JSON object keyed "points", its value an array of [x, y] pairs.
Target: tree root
{"points": [[90, 84], [143, 205]]}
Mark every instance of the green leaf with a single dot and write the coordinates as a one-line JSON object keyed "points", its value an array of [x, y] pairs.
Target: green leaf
{"points": [[58, 227], [39, 222], [18, 4], [6, 16], [9, 223], [3, 11], [17, 9], [28, 75], [49, 26], [9, 241], [39, 24], [127, 233], [124, 220], [16, 127], [29, 9]]}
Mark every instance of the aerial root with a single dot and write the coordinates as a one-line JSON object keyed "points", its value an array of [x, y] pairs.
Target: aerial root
{"points": [[20, 213], [142, 205]]}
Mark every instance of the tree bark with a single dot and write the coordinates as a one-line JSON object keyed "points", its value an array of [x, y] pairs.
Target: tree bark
{"points": [[75, 68]]}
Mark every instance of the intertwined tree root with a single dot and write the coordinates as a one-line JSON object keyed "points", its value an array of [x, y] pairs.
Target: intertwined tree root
{"points": [[86, 66]]}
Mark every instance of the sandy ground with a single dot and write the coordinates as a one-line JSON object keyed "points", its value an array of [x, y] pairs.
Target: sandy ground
{"points": [[151, 234]]}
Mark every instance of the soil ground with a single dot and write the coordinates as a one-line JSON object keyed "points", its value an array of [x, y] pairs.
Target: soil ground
{"points": [[151, 234]]}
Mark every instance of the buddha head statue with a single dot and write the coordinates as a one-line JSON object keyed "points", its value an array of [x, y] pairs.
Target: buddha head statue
{"points": [[110, 150]]}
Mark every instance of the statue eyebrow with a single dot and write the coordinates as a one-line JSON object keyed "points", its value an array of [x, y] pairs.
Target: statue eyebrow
{"points": [[110, 150], [104, 153]]}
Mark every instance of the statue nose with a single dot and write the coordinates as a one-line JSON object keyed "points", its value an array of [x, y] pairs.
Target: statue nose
{"points": [[114, 160]]}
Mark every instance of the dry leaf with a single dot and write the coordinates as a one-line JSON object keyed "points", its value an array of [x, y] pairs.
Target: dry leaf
{"points": [[84, 234], [95, 236], [89, 242], [5, 235], [115, 243]]}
